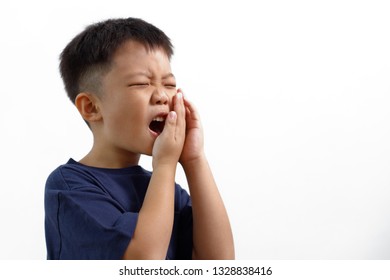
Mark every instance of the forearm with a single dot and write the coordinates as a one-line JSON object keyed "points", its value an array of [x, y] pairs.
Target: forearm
{"points": [[212, 235], [155, 221]]}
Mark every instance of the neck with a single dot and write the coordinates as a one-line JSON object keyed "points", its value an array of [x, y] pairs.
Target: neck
{"points": [[103, 157]]}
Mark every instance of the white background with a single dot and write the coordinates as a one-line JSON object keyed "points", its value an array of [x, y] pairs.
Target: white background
{"points": [[294, 98]]}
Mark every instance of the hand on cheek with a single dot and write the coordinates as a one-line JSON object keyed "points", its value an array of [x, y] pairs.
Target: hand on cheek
{"points": [[169, 144], [193, 145]]}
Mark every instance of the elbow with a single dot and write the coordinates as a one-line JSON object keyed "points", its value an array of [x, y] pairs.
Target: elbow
{"points": [[141, 255], [143, 251], [224, 254], [228, 254]]}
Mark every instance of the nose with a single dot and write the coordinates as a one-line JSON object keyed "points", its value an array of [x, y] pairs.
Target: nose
{"points": [[160, 97]]}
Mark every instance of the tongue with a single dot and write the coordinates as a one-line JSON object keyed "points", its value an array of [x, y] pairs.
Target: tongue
{"points": [[156, 126]]}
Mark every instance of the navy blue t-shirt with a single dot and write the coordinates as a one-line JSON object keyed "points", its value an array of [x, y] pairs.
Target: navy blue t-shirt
{"points": [[91, 213]]}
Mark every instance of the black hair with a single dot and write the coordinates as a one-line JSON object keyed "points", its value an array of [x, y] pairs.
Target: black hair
{"points": [[88, 56]]}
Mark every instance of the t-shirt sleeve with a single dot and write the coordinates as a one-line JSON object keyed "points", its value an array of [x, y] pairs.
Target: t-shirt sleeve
{"points": [[85, 222]]}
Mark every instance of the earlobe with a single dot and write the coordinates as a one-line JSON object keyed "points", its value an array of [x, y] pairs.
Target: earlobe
{"points": [[88, 107]]}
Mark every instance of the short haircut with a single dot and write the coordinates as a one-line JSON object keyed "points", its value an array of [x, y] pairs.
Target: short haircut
{"points": [[88, 56]]}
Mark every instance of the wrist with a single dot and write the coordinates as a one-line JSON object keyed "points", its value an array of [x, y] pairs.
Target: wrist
{"points": [[193, 162], [164, 165]]}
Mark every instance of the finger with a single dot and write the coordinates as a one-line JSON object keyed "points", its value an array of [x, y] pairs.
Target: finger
{"points": [[180, 109], [191, 111], [170, 124]]}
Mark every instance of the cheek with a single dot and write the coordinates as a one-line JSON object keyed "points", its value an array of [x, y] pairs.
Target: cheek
{"points": [[128, 117], [171, 93], [116, 116], [125, 113], [124, 128]]}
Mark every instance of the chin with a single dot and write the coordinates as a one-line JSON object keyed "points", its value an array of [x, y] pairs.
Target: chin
{"points": [[148, 154], [149, 150]]}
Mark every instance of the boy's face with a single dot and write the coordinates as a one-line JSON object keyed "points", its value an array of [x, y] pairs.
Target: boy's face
{"points": [[137, 96]]}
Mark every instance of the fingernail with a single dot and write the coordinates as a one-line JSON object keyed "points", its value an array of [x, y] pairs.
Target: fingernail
{"points": [[179, 95], [172, 115]]}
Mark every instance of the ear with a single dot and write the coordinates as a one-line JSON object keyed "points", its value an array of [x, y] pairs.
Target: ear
{"points": [[88, 106]]}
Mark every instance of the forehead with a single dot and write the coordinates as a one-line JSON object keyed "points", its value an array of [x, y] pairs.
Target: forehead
{"points": [[135, 56]]}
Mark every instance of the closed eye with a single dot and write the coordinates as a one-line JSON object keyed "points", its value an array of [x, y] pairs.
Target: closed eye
{"points": [[170, 85], [139, 85]]}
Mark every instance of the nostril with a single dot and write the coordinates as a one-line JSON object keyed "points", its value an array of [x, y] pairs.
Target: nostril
{"points": [[162, 102], [160, 98]]}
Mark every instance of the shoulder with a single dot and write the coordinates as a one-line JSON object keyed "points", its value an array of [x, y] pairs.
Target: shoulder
{"points": [[74, 175], [56, 179], [67, 175]]}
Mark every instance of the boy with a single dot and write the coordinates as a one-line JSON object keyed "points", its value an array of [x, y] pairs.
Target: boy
{"points": [[118, 75]]}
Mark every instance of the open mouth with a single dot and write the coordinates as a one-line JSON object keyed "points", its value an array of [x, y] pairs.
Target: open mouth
{"points": [[157, 124]]}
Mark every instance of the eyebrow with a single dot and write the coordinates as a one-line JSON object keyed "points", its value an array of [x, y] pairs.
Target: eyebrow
{"points": [[169, 75], [147, 74]]}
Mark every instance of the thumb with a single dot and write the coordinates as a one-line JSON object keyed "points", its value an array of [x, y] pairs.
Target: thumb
{"points": [[170, 122], [172, 116]]}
